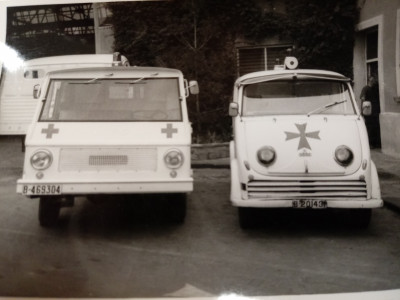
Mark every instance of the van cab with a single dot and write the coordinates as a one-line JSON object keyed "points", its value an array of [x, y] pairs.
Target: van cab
{"points": [[108, 130], [300, 142]]}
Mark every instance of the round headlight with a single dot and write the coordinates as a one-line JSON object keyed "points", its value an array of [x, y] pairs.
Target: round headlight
{"points": [[266, 155], [41, 159], [343, 155], [173, 159]]}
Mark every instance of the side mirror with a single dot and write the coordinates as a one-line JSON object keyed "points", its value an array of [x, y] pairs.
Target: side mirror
{"points": [[233, 109], [194, 87], [366, 108], [36, 91]]}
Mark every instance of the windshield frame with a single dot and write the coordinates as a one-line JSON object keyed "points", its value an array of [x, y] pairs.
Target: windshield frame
{"points": [[346, 84], [129, 81]]}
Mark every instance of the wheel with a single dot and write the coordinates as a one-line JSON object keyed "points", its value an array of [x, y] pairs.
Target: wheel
{"points": [[177, 207], [360, 218], [247, 218], [49, 210]]}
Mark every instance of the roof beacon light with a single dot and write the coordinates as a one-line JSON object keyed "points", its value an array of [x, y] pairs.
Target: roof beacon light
{"points": [[291, 62], [117, 61]]}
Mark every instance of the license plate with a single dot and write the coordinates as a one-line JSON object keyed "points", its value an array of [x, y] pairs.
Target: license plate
{"points": [[41, 189], [315, 204]]}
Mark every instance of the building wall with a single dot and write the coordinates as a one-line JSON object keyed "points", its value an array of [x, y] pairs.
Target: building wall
{"points": [[385, 15], [104, 32]]}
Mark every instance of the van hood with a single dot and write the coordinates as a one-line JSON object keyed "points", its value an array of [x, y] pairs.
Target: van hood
{"points": [[303, 145]]}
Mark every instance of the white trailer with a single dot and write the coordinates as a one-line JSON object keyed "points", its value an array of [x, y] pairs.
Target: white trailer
{"points": [[17, 105]]}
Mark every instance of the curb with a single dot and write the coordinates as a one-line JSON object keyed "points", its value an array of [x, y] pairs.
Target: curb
{"points": [[204, 152], [205, 165]]}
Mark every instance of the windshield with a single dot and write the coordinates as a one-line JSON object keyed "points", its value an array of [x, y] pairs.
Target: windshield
{"points": [[112, 100], [297, 97]]}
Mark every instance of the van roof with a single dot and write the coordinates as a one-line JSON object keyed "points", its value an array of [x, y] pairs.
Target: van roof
{"points": [[278, 74], [70, 59], [125, 72]]}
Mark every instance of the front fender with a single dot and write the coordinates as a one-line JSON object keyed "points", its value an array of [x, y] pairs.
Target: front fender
{"points": [[232, 153], [235, 181], [375, 186]]}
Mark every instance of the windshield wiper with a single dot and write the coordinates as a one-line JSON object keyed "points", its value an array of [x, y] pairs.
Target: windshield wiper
{"points": [[95, 79], [325, 107], [138, 80]]}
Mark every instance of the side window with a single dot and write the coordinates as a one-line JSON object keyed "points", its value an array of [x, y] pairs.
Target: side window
{"points": [[33, 73]]}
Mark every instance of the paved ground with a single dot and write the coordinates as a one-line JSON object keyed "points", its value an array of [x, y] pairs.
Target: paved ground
{"points": [[388, 169], [117, 249], [114, 249]]}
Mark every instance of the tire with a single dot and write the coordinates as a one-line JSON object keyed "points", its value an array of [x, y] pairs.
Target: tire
{"points": [[177, 208], [247, 218], [360, 218], [49, 210]]}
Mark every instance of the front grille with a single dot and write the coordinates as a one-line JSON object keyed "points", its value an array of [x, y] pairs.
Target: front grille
{"points": [[106, 159], [309, 189]]}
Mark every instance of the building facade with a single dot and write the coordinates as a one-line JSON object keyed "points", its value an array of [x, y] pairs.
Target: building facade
{"points": [[377, 53], [261, 55], [59, 29]]}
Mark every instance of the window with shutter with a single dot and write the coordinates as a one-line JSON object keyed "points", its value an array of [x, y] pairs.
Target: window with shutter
{"points": [[260, 58]]}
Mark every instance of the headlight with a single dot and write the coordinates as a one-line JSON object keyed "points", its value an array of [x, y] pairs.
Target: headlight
{"points": [[173, 159], [41, 159], [343, 155], [266, 155]]}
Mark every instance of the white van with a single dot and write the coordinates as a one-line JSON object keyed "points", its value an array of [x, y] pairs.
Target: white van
{"points": [[17, 104], [300, 142], [97, 131]]}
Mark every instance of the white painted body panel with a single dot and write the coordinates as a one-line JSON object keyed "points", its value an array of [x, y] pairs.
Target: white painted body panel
{"points": [[299, 172], [318, 160]]}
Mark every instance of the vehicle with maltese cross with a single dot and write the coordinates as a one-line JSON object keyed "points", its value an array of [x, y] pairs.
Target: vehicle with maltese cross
{"points": [[109, 130], [300, 142]]}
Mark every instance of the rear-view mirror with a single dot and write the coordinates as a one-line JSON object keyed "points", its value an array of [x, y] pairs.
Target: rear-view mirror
{"points": [[193, 87], [233, 109], [36, 91]]}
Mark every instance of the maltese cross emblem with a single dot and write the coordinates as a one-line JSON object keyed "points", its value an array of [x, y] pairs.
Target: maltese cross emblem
{"points": [[303, 135]]}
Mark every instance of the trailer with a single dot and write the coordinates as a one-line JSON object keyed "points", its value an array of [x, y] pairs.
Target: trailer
{"points": [[17, 104]]}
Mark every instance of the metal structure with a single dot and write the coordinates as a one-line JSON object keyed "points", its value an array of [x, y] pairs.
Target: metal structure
{"points": [[62, 28]]}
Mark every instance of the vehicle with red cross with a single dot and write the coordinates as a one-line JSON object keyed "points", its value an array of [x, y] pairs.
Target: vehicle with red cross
{"points": [[109, 130], [300, 142]]}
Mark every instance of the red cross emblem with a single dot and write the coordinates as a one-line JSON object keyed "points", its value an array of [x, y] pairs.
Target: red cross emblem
{"points": [[49, 131], [169, 131], [303, 135]]}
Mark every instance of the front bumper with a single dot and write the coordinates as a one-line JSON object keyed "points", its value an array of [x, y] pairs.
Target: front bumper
{"points": [[107, 187], [343, 203], [327, 192]]}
